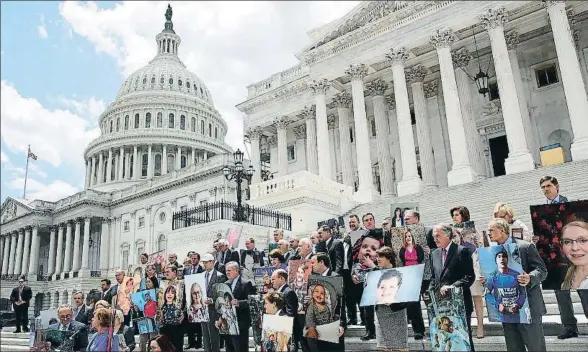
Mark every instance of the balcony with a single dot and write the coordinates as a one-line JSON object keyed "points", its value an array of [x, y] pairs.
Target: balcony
{"points": [[224, 210]]}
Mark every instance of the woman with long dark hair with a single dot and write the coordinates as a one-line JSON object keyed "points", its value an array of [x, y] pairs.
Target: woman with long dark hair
{"points": [[161, 343], [398, 218]]}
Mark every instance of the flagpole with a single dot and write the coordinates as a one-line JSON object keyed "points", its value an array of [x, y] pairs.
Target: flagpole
{"points": [[24, 192]]}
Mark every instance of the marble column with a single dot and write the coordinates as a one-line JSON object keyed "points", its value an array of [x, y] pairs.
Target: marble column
{"points": [[76, 247], [438, 132], [136, 163], [415, 76], [115, 166], [571, 76], [127, 165], [121, 160], [35, 245], [254, 135], [366, 190], [461, 171], [272, 142], [377, 88], [88, 173], [512, 41], [150, 162], [93, 172], [281, 125], [6, 254], [68, 243], [394, 138], [59, 254], [344, 102], [11, 261], [411, 183], [319, 89], [100, 177], [309, 114], [164, 160], [104, 241], [19, 245], [332, 124], [26, 252], [300, 134], [86, 244], [519, 158], [109, 166], [51, 264], [461, 59], [2, 244], [178, 158]]}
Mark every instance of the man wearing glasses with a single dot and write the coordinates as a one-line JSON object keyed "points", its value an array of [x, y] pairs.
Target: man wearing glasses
{"points": [[20, 298], [66, 323]]}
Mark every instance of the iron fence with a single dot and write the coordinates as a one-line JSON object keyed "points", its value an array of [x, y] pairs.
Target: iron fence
{"points": [[223, 210]]}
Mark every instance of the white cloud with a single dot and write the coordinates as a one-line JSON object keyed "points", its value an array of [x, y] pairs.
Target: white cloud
{"points": [[89, 109], [228, 44], [41, 29], [54, 191]]}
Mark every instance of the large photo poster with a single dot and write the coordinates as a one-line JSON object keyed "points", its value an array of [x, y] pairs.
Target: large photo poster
{"points": [[337, 225], [195, 285], [506, 300], [123, 296], [324, 307], [397, 285], [263, 278], [548, 222], [298, 273], [146, 302], [169, 301], [447, 321], [227, 314], [277, 333], [397, 212]]}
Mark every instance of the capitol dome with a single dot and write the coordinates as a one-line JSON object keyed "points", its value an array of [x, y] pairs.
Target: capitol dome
{"points": [[163, 117]]}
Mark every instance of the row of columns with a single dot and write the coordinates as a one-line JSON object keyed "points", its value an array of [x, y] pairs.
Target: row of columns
{"points": [[20, 252], [466, 158], [122, 163]]}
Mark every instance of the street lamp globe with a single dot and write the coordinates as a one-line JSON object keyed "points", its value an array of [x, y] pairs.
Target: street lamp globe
{"points": [[250, 170], [226, 171]]}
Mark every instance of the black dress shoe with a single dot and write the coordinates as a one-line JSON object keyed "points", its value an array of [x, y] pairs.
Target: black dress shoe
{"points": [[187, 347], [567, 335], [352, 322], [418, 336], [367, 337], [16, 331]]}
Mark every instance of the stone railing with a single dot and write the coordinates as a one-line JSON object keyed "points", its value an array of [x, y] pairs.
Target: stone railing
{"points": [[87, 195], [276, 80]]}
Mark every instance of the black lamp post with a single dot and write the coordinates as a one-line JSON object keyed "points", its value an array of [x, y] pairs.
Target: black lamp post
{"points": [[481, 78], [238, 173]]}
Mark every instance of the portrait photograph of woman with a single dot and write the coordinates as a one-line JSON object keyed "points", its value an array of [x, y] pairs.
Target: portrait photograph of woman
{"points": [[574, 244], [195, 293]]}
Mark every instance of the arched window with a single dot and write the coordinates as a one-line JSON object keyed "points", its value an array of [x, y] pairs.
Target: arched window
{"points": [[140, 249], [171, 81], [182, 122], [193, 124], [126, 122], [144, 164], [183, 160], [111, 126], [161, 80], [209, 130], [201, 91], [117, 124], [136, 120], [124, 255], [153, 80], [157, 171], [179, 82], [215, 132], [202, 126], [188, 85], [161, 243], [171, 165], [144, 80], [148, 120], [159, 120], [171, 121]]}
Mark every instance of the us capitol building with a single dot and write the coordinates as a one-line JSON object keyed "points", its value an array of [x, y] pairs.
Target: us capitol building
{"points": [[436, 102]]}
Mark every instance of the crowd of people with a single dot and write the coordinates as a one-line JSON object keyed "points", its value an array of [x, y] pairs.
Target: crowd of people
{"points": [[101, 324]]}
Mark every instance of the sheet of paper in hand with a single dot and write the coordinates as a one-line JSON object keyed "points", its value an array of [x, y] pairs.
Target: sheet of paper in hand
{"points": [[277, 332], [195, 286], [256, 310], [396, 285], [506, 300], [227, 315], [448, 328], [323, 310]]}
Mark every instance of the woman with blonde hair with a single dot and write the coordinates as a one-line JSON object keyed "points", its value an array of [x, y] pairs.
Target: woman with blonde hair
{"points": [[101, 322], [506, 211], [574, 244]]}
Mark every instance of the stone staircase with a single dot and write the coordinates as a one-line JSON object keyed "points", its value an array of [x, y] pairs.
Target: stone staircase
{"points": [[494, 340], [520, 190]]}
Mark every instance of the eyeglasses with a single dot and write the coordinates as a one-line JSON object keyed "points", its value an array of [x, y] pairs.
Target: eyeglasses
{"points": [[65, 316], [566, 242]]}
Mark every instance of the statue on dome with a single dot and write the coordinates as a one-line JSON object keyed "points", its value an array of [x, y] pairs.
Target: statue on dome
{"points": [[169, 13]]}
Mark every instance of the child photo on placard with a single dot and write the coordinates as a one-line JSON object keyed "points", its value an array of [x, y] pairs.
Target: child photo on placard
{"points": [[227, 315], [145, 302], [263, 278], [506, 299], [169, 302], [364, 254], [195, 285], [397, 285], [298, 273], [465, 235], [323, 312], [448, 327], [157, 259], [233, 236], [277, 332]]}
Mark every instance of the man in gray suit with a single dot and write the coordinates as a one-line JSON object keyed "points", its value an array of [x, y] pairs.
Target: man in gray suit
{"points": [[524, 337], [210, 335]]}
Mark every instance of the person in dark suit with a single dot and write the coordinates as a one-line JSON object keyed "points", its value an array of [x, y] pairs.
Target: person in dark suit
{"points": [[280, 285], [225, 255], [334, 248], [452, 266], [521, 337], [80, 313], [250, 258], [353, 290], [210, 335], [20, 298], [193, 330], [322, 266], [66, 323], [241, 289]]}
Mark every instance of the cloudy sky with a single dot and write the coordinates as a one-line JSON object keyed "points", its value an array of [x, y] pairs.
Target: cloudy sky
{"points": [[63, 63]]}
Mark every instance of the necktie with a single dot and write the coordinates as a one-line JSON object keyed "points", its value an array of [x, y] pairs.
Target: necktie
{"points": [[207, 275], [444, 255]]}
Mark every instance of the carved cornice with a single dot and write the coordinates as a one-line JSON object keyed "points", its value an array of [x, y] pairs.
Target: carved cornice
{"points": [[254, 133], [442, 38], [300, 132], [282, 122], [397, 56], [575, 32], [343, 100], [431, 88], [331, 122], [512, 39], [548, 3], [461, 57], [357, 71], [493, 18], [275, 96], [272, 141], [377, 87], [173, 203], [309, 112], [320, 86], [391, 101], [415, 74]]}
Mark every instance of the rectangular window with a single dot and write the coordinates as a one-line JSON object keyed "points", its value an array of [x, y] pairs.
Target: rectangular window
{"points": [[292, 152], [141, 222], [140, 250], [126, 226], [183, 208], [546, 75], [493, 92], [125, 259], [204, 202]]}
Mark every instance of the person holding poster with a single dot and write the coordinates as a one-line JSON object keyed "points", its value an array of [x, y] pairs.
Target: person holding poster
{"points": [[171, 304], [241, 290], [210, 334], [521, 337]]}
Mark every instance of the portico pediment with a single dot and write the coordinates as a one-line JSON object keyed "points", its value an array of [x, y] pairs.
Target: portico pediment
{"points": [[13, 208]]}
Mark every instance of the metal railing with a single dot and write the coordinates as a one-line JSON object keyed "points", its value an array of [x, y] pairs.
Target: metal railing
{"points": [[223, 210]]}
